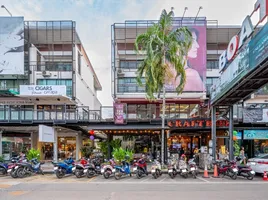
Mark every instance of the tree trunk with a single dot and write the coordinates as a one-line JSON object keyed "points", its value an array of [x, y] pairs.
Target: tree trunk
{"points": [[163, 126]]}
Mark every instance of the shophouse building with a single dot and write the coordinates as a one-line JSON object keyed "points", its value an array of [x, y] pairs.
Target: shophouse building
{"points": [[46, 77]]}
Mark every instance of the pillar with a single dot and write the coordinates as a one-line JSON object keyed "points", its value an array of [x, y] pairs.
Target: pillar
{"points": [[165, 147], [231, 128], [1, 152], [213, 132], [55, 146], [78, 145], [109, 138]]}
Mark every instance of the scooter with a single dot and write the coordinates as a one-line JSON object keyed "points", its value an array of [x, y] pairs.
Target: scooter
{"points": [[193, 168], [140, 168], [63, 168], [183, 170], [80, 167], [156, 169], [227, 168], [94, 168], [3, 168], [119, 171], [172, 168], [107, 170], [13, 165], [29, 168], [244, 170]]}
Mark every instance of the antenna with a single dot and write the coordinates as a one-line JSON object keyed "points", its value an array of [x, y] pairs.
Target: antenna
{"points": [[198, 12], [185, 9]]}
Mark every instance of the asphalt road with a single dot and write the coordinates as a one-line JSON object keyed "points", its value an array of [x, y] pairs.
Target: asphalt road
{"points": [[130, 188]]}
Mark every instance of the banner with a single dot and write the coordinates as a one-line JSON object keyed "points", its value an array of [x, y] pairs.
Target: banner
{"points": [[118, 113], [43, 90], [46, 134], [196, 60], [11, 45], [255, 134]]}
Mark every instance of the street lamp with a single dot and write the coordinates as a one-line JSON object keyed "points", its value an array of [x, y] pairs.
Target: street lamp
{"points": [[2, 6]]}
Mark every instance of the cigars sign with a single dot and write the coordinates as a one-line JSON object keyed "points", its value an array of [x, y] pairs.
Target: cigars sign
{"points": [[196, 123]]}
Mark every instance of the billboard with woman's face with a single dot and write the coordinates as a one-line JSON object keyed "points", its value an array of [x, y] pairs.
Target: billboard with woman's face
{"points": [[11, 45], [195, 62]]}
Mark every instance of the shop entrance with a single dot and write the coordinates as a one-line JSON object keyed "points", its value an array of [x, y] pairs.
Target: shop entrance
{"points": [[66, 147], [47, 151]]}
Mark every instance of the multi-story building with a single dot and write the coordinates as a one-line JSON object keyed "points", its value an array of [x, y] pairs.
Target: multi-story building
{"points": [[51, 80]]}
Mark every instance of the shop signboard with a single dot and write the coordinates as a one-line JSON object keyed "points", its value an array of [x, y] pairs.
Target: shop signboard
{"points": [[11, 45], [239, 58], [255, 134], [196, 123], [118, 113], [46, 134], [42, 90], [255, 115]]}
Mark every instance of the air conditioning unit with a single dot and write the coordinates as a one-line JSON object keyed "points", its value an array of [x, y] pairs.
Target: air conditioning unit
{"points": [[46, 73], [120, 72]]}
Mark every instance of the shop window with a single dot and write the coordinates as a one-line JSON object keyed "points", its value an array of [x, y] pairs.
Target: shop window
{"points": [[66, 147], [132, 111]]}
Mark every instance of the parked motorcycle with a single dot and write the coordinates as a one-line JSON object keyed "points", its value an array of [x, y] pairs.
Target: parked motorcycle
{"points": [[63, 168], [183, 170], [28, 168], [156, 169], [172, 168], [80, 167], [120, 171], [3, 168], [13, 165], [227, 168], [107, 170], [193, 167], [140, 168], [94, 168], [245, 170]]}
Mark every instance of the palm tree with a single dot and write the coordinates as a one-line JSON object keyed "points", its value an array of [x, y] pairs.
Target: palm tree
{"points": [[164, 46]]}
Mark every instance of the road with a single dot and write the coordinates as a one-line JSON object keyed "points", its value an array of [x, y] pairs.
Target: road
{"points": [[130, 188]]}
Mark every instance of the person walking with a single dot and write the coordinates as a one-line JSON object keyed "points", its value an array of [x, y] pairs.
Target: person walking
{"points": [[242, 156]]}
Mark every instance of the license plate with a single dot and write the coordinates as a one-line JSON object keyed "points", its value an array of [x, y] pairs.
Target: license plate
{"points": [[170, 170], [192, 168], [16, 167], [85, 170], [135, 169], [235, 170], [153, 171], [55, 168], [183, 170], [252, 172], [252, 163], [73, 168], [102, 170], [9, 170], [113, 170]]}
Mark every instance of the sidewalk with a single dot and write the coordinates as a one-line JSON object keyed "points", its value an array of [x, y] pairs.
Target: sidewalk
{"points": [[48, 168]]}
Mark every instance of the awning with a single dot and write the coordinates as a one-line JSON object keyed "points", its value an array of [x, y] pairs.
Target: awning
{"points": [[8, 93], [48, 99]]}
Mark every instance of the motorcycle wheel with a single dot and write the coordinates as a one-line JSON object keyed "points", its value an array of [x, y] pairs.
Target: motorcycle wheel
{"points": [[139, 174], [155, 175], [185, 175], [107, 174], [41, 172], [194, 174], [20, 172], [250, 176], [3, 171], [78, 173], [90, 173], [233, 176], [172, 175], [13, 174], [117, 175], [60, 174]]}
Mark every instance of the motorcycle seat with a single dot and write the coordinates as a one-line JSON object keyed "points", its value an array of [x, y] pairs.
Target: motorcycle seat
{"points": [[242, 166]]}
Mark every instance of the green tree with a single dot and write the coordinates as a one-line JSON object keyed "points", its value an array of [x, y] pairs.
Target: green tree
{"points": [[164, 47]]}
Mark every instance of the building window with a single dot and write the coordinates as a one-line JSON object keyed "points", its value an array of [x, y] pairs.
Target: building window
{"points": [[55, 66], [79, 63], [210, 81], [212, 64], [129, 85], [129, 64], [12, 84], [67, 82]]}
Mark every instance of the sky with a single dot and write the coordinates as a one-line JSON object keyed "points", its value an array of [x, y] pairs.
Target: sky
{"points": [[95, 17]]}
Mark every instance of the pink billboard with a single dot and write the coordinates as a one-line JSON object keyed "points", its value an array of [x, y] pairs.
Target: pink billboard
{"points": [[118, 113], [195, 63]]}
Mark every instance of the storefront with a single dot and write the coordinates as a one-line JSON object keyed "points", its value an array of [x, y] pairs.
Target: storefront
{"points": [[14, 143]]}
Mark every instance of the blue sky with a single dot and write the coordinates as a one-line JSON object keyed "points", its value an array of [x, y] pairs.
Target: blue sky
{"points": [[95, 17]]}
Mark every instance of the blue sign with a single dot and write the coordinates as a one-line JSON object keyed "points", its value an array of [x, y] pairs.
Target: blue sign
{"points": [[256, 134]]}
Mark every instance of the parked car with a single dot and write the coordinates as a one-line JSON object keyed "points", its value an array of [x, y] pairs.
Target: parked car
{"points": [[259, 164]]}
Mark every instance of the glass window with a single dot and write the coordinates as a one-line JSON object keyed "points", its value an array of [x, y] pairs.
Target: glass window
{"points": [[129, 85], [184, 111], [212, 64], [67, 82]]}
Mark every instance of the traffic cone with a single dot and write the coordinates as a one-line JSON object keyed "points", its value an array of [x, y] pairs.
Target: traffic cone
{"points": [[206, 172], [215, 175], [264, 176]]}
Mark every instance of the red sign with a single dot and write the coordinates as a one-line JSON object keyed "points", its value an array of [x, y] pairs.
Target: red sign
{"points": [[196, 123]]}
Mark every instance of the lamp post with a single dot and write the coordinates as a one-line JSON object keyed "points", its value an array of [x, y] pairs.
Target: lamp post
{"points": [[2, 6]]}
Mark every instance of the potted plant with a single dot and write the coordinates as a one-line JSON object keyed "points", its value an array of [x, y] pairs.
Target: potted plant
{"points": [[33, 153]]}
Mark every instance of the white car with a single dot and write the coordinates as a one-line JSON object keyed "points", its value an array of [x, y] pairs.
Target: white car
{"points": [[259, 164]]}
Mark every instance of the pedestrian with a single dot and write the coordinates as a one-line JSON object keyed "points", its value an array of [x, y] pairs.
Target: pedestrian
{"points": [[242, 156]]}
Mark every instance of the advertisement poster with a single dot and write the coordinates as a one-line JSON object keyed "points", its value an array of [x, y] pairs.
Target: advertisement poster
{"points": [[118, 113], [255, 134], [195, 62], [11, 45], [43, 90]]}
